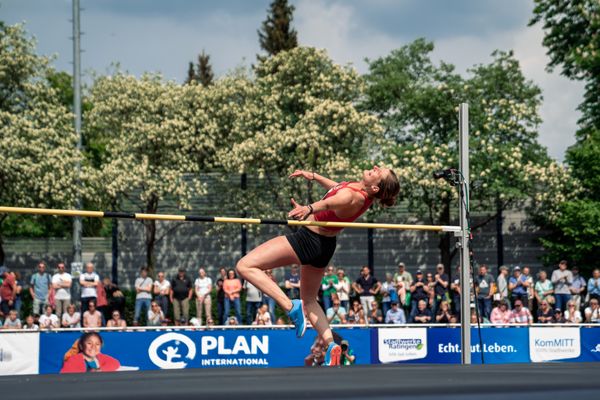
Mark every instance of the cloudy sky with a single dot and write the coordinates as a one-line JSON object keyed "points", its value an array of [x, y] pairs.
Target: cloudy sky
{"points": [[164, 35]]}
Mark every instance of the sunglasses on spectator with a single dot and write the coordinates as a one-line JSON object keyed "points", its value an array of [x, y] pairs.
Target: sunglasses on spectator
{"points": [[116, 315]]}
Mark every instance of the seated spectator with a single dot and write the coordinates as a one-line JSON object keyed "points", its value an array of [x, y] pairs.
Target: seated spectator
{"points": [[520, 315], [444, 314], [30, 325], [116, 321], [558, 317], [232, 321], [71, 318], [423, 313], [500, 313], [545, 314], [336, 314], [356, 313], [375, 316], [12, 322], [592, 313], [572, 315], [210, 322], [263, 317], [156, 317], [395, 315], [281, 321], [92, 318], [49, 320], [482, 320]]}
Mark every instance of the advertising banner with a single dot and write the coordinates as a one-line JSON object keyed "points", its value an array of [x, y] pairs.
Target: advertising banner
{"points": [[118, 351], [553, 344], [19, 353]]}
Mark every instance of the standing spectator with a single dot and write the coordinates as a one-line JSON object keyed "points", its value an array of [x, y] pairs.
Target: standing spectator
{"points": [[501, 314], [419, 290], [529, 285], [203, 288], [61, 282], [162, 290], [403, 278], [423, 314], [18, 290], [593, 286], [114, 297], [342, 288], [156, 317], [517, 285], [562, 279], [389, 293], [455, 293], [232, 287], [431, 285], [263, 317], [520, 315], [253, 302], [367, 287], [328, 283], [292, 283], [442, 282], [30, 325], [12, 321], [7, 291], [143, 297], [444, 314], [375, 316], [502, 285], [592, 313], [572, 314], [545, 313], [485, 283], [116, 321], [220, 301], [92, 318], [49, 320], [268, 300], [40, 288], [336, 314], [544, 289], [89, 282], [395, 314], [102, 302], [71, 318], [180, 295], [222, 274], [578, 287]]}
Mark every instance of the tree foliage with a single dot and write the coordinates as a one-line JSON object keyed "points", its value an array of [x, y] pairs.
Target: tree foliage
{"points": [[276, 33], [202, 73]]}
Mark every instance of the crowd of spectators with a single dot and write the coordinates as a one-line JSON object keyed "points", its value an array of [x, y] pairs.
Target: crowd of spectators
{"points": [[512, 297]]}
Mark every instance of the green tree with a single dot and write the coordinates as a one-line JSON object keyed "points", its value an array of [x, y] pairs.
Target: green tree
{"points": [[276, 33], [202, 73]]}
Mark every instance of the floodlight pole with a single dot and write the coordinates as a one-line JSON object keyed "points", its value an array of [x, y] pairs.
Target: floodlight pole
{"points": [[465, 257], [77, 228]]}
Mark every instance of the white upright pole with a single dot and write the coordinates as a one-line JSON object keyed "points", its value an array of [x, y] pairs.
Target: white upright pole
{"points": [[465, 257], [77, 122]]}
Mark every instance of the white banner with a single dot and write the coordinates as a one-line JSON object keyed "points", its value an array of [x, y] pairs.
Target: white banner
{"points": [[402, 344], [19, 353], [551, 344]]}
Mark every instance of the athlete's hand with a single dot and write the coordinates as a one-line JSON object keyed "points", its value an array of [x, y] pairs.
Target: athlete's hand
{"points": [[309, 176], [299, 212]]}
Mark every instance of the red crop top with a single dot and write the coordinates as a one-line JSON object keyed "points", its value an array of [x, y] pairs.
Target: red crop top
{"points": [[330, 215]]}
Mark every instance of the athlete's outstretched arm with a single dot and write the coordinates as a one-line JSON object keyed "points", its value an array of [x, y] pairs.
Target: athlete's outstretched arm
{"points": [[313, 176]]}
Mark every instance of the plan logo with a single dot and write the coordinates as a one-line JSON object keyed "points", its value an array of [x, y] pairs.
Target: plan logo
{"points": [[402, 344], [172, 351], [550, 344], [597, 349]]}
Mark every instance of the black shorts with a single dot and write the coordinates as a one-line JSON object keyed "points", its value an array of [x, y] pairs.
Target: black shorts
{"points": [[312, 248]]}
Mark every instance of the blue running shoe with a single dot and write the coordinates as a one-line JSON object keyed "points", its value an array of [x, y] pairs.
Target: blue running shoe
{"points": [[333, 355], [296, 315]]}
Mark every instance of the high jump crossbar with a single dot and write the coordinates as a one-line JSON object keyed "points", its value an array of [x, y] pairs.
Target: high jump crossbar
{"points": [[199, 218]]}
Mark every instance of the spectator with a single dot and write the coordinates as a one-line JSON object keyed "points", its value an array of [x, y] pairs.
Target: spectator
{"points": [[162, 290], [115, 298], [562, 279], [49, 320], [7, 291], [180, 295], [266, 299], [253, 302], [222, 274], [578, 287], [328, 283], [423, 314], [501, 314], [336, 314], [116, 321], [292, 283], [356, 313], [18, 291], [520, 315], [92, 318], [348, 357], [203, 288], [529, 285], [592, 313], [485, 286], [431, 285], [61, 283], [156, 317], [40, 288], [395, 314], [281, 321], [375, 316], [11, 321], [143, 297], [455, 293], [502, 285], [444, 314], [232, 288], [367, 287], [572, 314], [89, 282], [71, 318], [482, 319], [232, 321], [545, 314], [419, 290], [220, 301], [442, 283], [342, 288], [403, 276], [593, 286], [102, 302], [544, 289], [517, 285], [30, 325], [558, 317], [263, 317], [389, 293]]}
